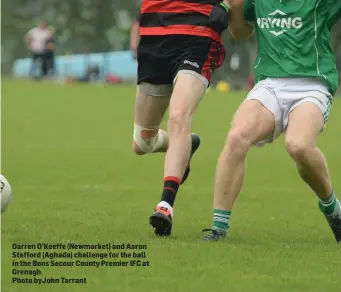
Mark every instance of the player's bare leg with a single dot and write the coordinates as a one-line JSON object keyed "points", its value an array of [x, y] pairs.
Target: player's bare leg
{"points": [[188, 91], [305, 124], [149, 112], [252, 123]]}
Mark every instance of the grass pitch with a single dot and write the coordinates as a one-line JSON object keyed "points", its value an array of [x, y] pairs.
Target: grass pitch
{"points": [[66, 151]]}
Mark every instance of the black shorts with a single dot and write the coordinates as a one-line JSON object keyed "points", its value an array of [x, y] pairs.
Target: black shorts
{"points": [[160, 58]]}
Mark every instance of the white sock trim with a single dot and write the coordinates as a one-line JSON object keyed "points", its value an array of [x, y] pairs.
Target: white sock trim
{"points": [[166, 205]]}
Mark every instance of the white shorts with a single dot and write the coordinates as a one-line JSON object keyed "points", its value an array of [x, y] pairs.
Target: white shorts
{"points": [[282, 95]]}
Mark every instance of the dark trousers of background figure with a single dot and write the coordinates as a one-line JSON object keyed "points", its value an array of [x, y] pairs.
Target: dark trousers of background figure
{"points": [[44, 62], [49, 64]]}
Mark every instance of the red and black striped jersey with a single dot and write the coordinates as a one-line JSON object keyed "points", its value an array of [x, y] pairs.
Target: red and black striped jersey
{"points": [[184, 17]]}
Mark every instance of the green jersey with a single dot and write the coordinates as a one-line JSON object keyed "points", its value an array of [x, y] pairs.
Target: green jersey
{"points": [[294, 38]]}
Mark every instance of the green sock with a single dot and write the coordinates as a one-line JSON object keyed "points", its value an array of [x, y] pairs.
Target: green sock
{"points": [[328, 205], [221, 220]]}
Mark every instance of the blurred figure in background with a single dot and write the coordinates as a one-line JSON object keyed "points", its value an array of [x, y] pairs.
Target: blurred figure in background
{"points": [[36, 40], [50, 49], [92, 74]]}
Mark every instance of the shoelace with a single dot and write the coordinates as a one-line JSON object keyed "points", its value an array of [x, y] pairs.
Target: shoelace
{"points": [[215, 232]]}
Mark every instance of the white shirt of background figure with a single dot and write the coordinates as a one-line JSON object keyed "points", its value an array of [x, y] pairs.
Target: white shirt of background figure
{"points": [[37, 37]]}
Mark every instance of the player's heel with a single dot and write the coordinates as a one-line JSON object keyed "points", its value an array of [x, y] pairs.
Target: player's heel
{"points": [[162, 224]]}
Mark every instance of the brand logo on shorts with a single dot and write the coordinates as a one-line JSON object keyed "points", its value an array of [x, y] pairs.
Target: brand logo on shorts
{"points": [[279, 23], [194, 64]]}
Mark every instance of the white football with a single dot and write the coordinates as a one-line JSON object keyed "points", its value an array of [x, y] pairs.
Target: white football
{"points": [[6, 193]]}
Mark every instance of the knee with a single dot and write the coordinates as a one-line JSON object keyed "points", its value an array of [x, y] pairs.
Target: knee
{"points": [[238, 143], [137, 150], [144, 141], [178, 122], [297, 149], [147, 140]]}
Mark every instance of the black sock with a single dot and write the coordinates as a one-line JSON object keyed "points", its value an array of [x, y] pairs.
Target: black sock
{"points": [[170, 188]]}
